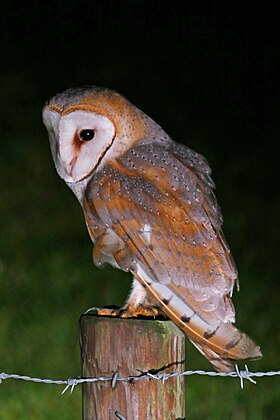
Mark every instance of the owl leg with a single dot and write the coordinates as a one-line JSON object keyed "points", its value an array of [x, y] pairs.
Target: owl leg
{"points": [[138, 304], [138, 294]]}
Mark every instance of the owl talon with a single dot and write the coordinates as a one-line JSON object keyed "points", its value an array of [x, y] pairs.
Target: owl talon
{"points": [[109, 311], [134, 312], [131, 312]]}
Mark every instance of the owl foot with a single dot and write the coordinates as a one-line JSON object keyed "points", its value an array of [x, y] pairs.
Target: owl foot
{"points": [[130, 311]]}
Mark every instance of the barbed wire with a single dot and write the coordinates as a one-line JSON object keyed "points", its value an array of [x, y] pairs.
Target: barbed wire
{"points": [[71, 383]]}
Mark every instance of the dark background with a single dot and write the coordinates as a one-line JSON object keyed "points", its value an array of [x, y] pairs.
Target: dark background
{"points": [[208, 73]]}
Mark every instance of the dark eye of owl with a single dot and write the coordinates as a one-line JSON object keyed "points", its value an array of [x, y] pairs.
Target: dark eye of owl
{"points": [[87, 135]]}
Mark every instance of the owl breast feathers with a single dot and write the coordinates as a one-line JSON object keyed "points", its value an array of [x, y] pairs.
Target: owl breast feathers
{"points": [[150, 209]]}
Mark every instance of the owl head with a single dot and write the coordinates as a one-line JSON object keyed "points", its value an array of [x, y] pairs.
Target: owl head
{"points": [[86, 126]]}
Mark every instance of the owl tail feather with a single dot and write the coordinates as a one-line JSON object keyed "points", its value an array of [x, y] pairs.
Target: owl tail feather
{"points": [[222, 343], [221, 364], [225, 347], [220, 361]]}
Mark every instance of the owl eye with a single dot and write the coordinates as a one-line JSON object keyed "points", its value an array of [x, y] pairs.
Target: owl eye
{"points": [[86, 135]]}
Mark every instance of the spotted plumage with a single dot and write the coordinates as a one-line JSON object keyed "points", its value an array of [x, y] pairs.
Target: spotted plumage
{"points": [[150, 209]]}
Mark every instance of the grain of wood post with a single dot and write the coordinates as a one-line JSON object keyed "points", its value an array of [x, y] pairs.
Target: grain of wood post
{"points": [[129, 347]]}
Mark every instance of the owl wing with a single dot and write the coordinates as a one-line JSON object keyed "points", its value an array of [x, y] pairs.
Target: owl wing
{"points": [[158, 203]]}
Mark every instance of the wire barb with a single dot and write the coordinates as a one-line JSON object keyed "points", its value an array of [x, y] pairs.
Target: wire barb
{"points": [[114, 379], [2, 377], [244, 374], [71, 383], [164, 377], [119, 415]]}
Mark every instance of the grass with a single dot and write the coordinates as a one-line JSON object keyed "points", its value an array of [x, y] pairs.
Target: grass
{"points": [[47, 280]]}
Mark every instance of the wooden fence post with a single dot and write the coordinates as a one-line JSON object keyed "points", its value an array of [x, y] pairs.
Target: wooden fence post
{"points": [[129, 347]]}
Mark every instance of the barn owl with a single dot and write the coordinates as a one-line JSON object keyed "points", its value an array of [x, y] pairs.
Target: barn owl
{"points": [[149, 208]]}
